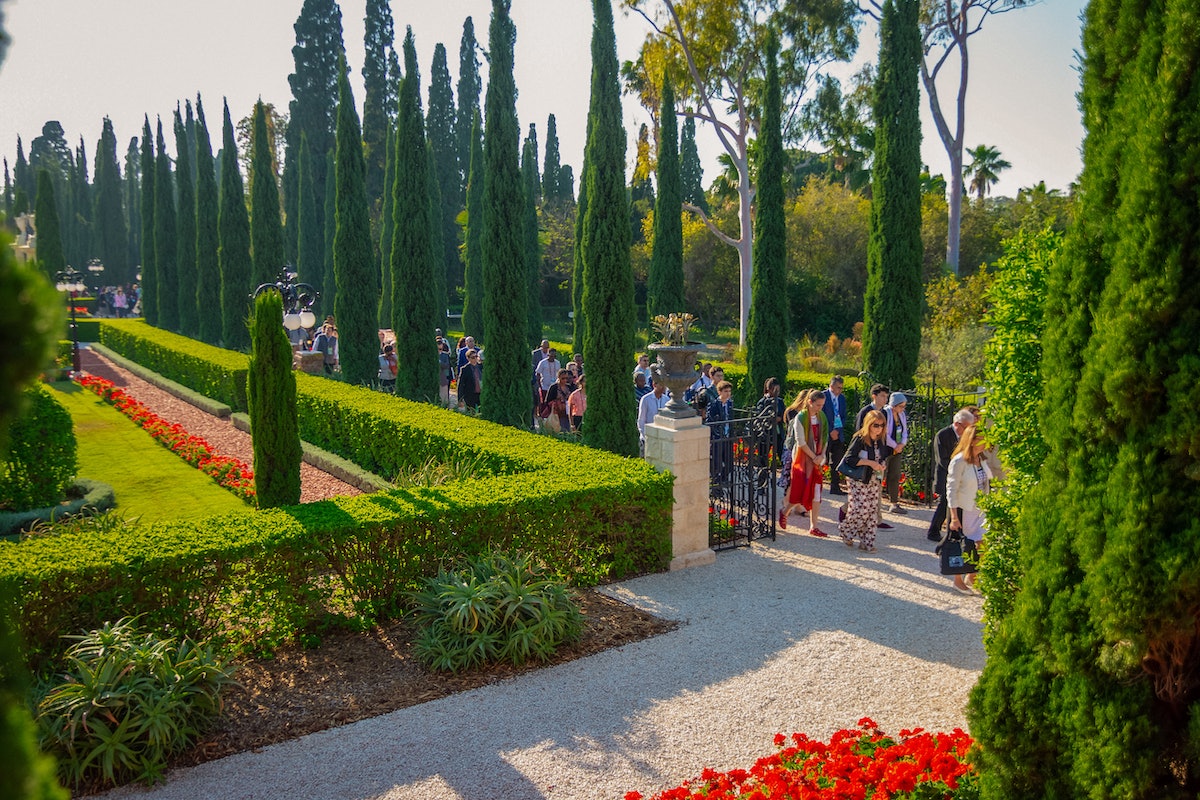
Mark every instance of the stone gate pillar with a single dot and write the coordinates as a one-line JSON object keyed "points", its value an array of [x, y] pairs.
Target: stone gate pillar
{"points": [[680, 444]]}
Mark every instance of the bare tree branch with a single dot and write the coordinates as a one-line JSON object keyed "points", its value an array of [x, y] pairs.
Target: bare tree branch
{"points": [[720, 234]]}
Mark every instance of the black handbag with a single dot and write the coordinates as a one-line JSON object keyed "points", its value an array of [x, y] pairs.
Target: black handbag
{"points": [[958, 554], [858, 473]]}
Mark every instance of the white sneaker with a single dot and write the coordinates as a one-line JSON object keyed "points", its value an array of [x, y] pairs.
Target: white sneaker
{"points": [[896, 509]]}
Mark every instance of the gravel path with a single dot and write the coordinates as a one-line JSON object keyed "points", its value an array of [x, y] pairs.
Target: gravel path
{"points": [[219, 433], [801, 634]]}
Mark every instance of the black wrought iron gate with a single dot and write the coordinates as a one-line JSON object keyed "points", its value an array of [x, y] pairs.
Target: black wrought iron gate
{"points": [[743, 472]]}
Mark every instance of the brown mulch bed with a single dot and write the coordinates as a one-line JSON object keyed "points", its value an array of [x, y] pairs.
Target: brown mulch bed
{"points": [[355, 676]]}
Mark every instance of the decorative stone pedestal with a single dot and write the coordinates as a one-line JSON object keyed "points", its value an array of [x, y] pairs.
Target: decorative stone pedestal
{"points": [[310, 362], [681, 445]]}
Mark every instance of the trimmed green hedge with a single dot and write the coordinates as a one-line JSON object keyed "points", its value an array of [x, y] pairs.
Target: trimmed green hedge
{"points": [[250, 581], [211, 371]]}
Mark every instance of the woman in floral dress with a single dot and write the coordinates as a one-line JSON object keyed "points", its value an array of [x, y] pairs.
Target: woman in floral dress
{"points": [[866, 449]]}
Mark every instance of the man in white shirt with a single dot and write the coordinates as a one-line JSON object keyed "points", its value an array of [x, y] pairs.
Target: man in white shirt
{"points": [[648, 409]]}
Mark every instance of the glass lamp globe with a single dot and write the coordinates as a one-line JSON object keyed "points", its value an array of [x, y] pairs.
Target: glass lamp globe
{"points": [[291, 321], [307, 319]]}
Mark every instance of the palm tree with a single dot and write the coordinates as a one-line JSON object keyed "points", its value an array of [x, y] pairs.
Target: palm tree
{"points": [[984, 169]]}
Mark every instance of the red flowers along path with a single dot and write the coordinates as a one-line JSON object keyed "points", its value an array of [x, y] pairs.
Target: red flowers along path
{"points": [[230, 473], [861, 764]]}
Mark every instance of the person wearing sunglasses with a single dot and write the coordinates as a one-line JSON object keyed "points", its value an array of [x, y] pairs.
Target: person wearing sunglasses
{"points": [[868, 451]]}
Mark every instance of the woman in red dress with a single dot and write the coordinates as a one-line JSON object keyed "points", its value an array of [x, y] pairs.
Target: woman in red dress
{"points": [[807, 438]]}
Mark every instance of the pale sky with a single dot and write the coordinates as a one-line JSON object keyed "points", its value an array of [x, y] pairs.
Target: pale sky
{"points": [[78, 60]]}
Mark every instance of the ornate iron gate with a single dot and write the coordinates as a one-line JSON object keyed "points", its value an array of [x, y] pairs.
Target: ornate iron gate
{"points": [[743, 471]]}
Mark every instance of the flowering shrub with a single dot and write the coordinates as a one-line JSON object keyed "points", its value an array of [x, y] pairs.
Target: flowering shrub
{"points": [[863, 764], [230, 473]]}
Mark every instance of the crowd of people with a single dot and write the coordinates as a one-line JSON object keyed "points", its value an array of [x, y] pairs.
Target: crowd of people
{"points": [[865, 459], [119, 301]]}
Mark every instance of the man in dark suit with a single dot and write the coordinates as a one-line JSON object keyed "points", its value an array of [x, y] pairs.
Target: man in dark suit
{"points": [[943, 448], [835, 413]]}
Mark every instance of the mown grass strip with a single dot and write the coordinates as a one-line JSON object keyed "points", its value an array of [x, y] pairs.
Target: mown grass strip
{"points": [[150, 481]]}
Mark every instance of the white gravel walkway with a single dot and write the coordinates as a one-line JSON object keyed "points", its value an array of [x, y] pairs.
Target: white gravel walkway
{"points": [[802, 634]]}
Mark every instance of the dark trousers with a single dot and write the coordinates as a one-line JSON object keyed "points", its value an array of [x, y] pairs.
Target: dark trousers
{"points": [[892, 473], [939, 518], [837, 449]]}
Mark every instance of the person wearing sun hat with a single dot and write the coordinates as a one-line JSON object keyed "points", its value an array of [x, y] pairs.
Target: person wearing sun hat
{"points": [[896, 437]]}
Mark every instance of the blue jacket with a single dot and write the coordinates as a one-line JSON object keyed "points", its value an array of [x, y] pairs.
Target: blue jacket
{"points": [[835, 409]]}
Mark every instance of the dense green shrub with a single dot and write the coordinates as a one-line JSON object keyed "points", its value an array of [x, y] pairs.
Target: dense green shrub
{"points": [[212, 371], [1014, 376], [496, 608], [41, 456], [271, 394], [130, 700]]}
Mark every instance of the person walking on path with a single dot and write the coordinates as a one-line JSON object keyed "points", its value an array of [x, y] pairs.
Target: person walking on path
{"points": [[807, 438], [387, 368], [835, 414], [867, 449], [470, 381], [967, 478], [879, 398], [943, 450], [577, 405], [896, 438]]}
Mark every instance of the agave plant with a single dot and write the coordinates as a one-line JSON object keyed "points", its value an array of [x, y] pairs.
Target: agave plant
{"points": [[674, 329], [128, 701]]}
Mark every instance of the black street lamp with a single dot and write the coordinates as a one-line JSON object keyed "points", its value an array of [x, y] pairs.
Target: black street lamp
{"points": [[71, 281], [298, 299]]}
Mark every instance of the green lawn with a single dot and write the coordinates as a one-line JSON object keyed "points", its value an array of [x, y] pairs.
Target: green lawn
{"points": [[149, 480]]}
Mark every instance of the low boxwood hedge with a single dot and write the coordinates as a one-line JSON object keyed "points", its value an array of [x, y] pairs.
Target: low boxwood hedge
{"points": [[211, 371], [254, 580]]}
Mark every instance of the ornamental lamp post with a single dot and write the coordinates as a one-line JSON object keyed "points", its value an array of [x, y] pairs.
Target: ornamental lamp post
{"points": [[298, 299], [71, 281]]}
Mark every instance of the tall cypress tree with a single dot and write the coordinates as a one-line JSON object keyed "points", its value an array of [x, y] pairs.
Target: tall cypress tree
{"points": [[893, 303], [473, 279], [310, 260], [329, 293], [378, 41], [578, 267], [387, 225], [266, 233], [533, 250], [149, 263], [208, 269], [690, 169], [440, 292], [233, 252], [664, 284], [77, 228], [165, 237], [316, 55], [505, 298], [271, 397], [551, 164], [353, 253], [8, 196], [49, 234], [767, 329], [414, 262], [23, 177], [110, 234], [440, 123], [132, 189], [469, 87], [185, 242], [608, 275], [1092, 684]]}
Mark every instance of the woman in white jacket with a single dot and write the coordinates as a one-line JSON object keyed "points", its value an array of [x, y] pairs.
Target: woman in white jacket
{"points": [[968, 477]]}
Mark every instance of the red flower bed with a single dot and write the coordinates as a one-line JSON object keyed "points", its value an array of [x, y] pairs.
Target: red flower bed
{"points": [[230, 473], [860, 764]]}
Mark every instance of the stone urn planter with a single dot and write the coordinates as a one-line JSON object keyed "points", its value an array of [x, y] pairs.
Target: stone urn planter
{"points": [[676, 360], [676, 367]]}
